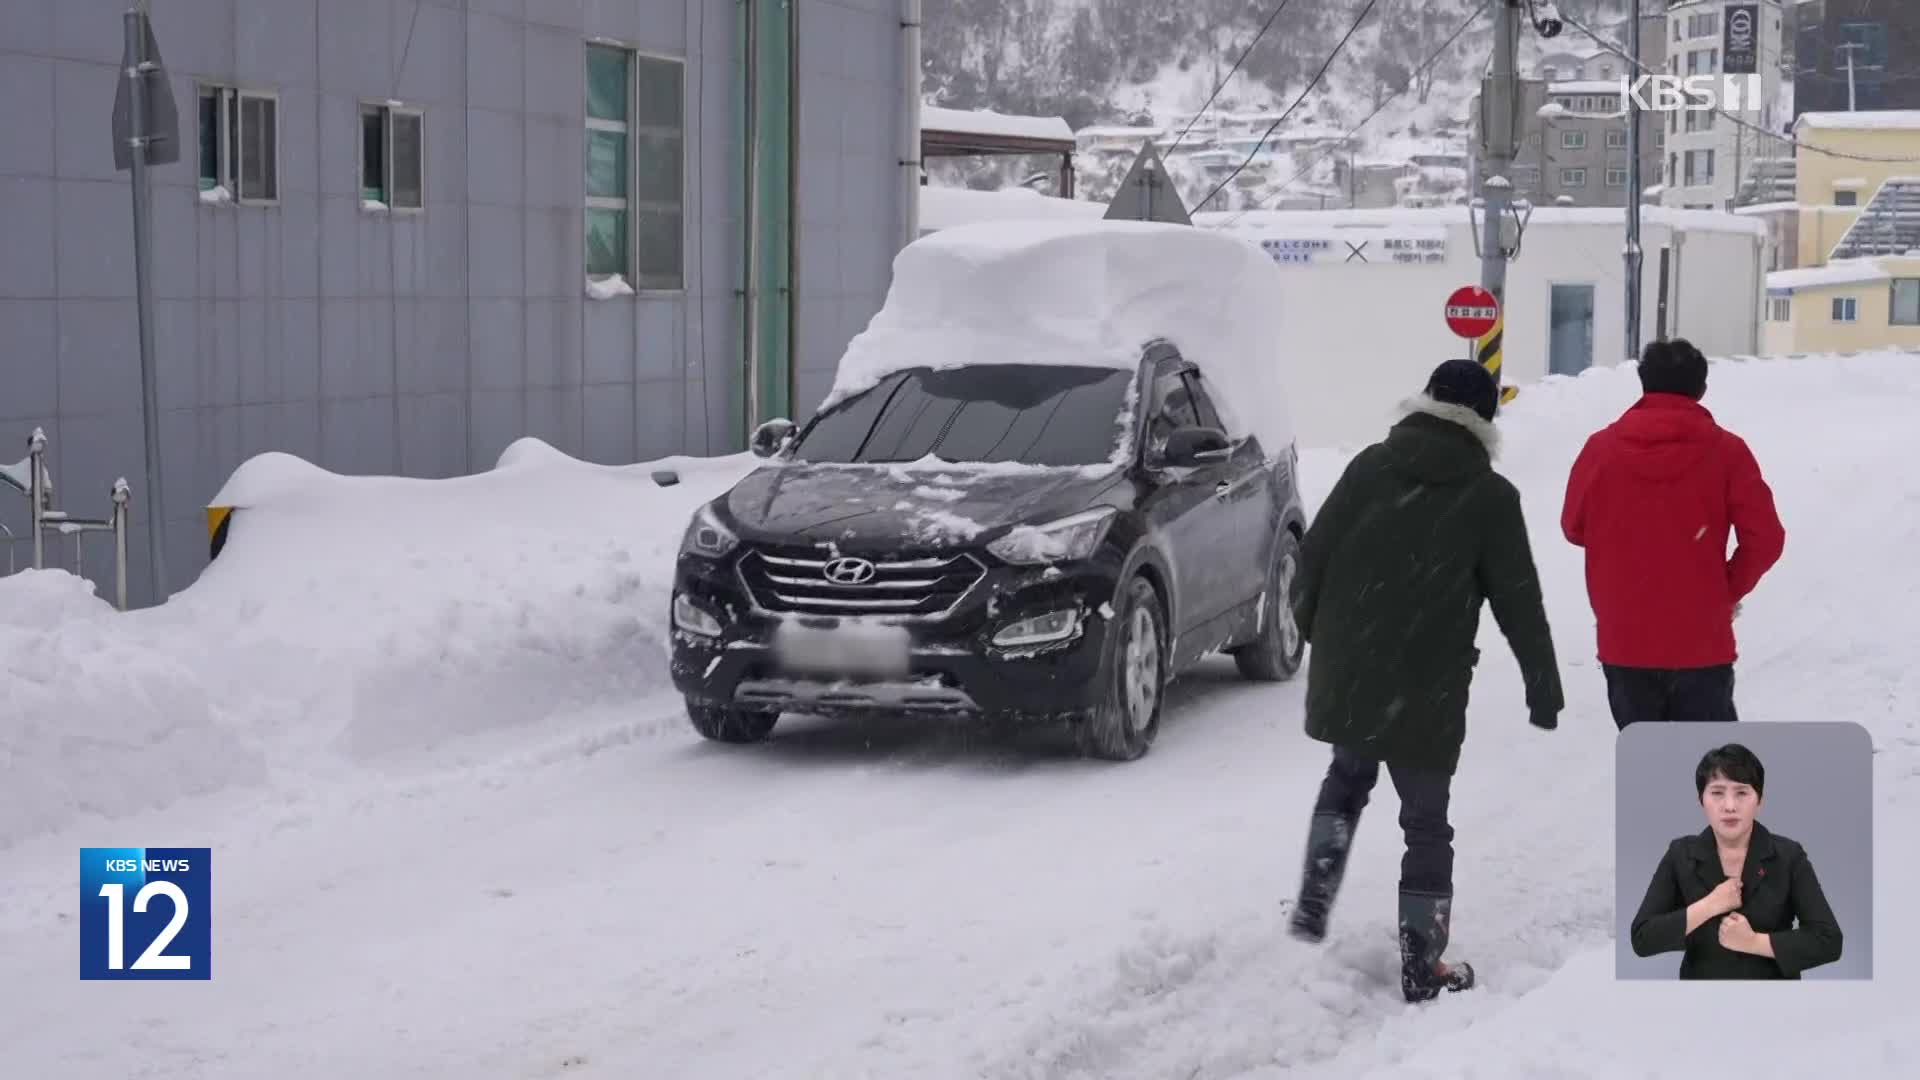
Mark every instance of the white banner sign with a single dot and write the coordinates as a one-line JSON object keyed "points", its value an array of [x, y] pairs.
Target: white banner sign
{"points": [[1410, 246]]}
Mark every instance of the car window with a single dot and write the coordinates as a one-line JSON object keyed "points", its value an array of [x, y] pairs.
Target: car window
{"points": [[1203, 402], [1172, 405], [1027, 413]]}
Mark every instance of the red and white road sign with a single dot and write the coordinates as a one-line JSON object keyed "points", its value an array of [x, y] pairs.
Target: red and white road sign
{"points": [[1472, 311]]}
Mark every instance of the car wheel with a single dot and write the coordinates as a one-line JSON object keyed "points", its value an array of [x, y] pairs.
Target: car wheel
{"points": [[728, 725], [1275, 655], [1124, 724]]}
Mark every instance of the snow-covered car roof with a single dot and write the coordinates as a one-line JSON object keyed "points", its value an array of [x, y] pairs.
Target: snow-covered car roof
{"points": [[1086, 293]]}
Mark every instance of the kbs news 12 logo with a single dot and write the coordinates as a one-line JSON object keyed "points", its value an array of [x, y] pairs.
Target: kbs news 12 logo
{"points": [[146, 913]]}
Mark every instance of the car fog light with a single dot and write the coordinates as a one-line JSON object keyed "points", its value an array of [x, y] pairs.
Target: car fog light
{"points": [[1040, 630], [688, 616]]}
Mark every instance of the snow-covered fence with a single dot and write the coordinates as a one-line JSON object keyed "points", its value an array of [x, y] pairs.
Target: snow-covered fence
{"points": [[31, 477]]}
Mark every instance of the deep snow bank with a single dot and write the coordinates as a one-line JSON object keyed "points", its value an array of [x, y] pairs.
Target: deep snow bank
{"points": [[348, 618]]}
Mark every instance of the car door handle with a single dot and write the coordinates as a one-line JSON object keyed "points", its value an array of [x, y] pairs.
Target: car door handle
{"points": [[1223, 489]]}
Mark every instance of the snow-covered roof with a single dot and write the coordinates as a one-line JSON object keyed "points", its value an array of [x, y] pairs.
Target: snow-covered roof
{"points": [[1087, 294], [1115, 131], [1585, 86], [1838, 272], [936, 118], [1612, 217], [946, 207], [1872, 120], [1762, 209]]}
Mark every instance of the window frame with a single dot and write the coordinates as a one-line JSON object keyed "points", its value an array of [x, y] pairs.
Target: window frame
{"points": [[629, 203], [1621, 172], [1845, 310], [1846, 197], [1568, 174], [1780, 309], [386, 111], [1567, 140], [1616, 140], [230, 115], [1893, 301]]}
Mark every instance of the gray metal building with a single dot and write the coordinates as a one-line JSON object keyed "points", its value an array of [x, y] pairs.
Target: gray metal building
{"points": [[404, 233]]}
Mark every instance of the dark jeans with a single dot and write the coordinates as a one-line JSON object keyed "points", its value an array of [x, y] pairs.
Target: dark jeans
{"points": [[1428, 864], [1641, 695]]}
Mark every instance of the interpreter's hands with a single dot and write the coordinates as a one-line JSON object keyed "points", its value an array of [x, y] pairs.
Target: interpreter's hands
{"points": [[1737, 933], [1724, 898]]}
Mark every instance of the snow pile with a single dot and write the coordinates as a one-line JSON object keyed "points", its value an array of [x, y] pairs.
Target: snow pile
{"points": [[610, 287], [1085, 294], [347, 618], [944, 207]]}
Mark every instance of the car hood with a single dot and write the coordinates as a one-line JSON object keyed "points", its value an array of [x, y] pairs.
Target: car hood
{"points": [[881, 508]]}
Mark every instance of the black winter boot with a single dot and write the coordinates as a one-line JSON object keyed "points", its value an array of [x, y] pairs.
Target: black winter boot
{"points": [[1424, 930], [1329, 839]]}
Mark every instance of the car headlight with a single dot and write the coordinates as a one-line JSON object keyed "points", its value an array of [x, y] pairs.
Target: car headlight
{"points": [[1045, 629], [1066, 540], [688, 616], [706, 536]]}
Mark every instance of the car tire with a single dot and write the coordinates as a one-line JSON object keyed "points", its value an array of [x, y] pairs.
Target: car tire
{"points": [[722, 723], [1275, 655], [1122, 727]]}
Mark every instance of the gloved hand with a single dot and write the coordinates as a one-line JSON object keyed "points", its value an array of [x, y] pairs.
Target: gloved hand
{"points": [[1545, 721]]}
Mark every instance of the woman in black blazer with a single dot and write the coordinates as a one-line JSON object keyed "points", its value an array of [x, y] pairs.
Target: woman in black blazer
{"points": [[1741, 901]]}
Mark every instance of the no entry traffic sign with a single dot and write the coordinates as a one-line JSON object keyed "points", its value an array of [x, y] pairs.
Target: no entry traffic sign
{"points": [[1472, 311]]}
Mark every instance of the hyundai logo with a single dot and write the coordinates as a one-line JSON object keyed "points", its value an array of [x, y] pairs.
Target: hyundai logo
{"points": [[849, 571]]}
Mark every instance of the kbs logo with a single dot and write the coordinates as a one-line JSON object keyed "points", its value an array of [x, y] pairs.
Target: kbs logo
{"points": [[145, 913], [1692, 93]]}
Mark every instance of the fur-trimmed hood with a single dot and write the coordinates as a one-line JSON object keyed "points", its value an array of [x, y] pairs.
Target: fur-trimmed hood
{"points": [[1482, 429]]}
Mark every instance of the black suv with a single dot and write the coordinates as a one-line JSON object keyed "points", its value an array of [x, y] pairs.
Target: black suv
{"points": [[1018, 541]]}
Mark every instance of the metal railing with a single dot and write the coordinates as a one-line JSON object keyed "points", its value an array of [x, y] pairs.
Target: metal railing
{"points": [[31, 478]]}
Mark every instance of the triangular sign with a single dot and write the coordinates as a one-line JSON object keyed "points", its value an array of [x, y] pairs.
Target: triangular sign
{"points": [[161, 122], [1148, 193]]}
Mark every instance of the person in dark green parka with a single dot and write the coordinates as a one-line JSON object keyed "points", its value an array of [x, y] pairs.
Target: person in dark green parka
{"points": [[1418, 533]]}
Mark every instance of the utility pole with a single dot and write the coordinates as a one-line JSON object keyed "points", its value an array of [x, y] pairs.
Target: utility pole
{"points": [[1853, 99], [1499, 126], [1635, 182]]}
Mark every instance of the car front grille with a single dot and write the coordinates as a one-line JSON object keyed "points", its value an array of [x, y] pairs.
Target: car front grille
{"points": [[799, 582]]}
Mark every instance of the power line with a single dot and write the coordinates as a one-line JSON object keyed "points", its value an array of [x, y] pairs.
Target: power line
{"points": [[1793, 141], [1297, 102], [1432, 59], [1244, 53]]}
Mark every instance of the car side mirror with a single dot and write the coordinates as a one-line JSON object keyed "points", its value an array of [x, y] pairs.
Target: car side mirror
{"points": [[1190, 446], [772, 437]]}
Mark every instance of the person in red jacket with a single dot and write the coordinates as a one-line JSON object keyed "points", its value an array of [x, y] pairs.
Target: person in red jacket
{"points": [[1652, 498]]}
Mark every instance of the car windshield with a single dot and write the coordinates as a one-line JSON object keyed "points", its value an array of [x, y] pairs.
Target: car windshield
{"points": [[990, 413]]}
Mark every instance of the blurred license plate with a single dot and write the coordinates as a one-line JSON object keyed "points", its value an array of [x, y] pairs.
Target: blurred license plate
{"points": [[849, 650]]}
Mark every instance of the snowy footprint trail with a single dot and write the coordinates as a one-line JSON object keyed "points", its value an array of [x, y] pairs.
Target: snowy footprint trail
{"points": [[590, 891]]}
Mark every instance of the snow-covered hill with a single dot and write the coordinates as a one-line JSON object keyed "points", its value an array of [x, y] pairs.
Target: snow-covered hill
{"points": [[1139, 62]]}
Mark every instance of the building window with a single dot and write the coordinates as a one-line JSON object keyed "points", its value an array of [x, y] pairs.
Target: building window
{"points": [[635, 149], [1616, 140], [1846, 309], [1616, 178], [1906, 302], [1780, 309], [1846, 198], [1573, 178], [1573, 140], [239, 144], [390, 158]]}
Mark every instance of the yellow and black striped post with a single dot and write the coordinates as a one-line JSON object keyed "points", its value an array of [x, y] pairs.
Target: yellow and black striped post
{"points": [[217, 519], [1489, 352]]}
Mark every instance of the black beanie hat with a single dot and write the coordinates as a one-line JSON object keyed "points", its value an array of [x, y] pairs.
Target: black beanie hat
{"points": [[1465, 383], [1673, 367]]}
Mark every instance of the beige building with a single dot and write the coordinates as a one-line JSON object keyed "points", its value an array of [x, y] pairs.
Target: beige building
{"points": [[1854, 305], [1859, 197]]}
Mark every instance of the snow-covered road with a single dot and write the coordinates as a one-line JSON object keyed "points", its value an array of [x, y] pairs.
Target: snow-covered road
{"points": [[598, 893]]}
